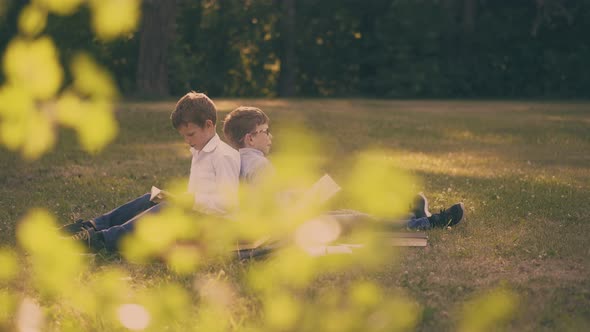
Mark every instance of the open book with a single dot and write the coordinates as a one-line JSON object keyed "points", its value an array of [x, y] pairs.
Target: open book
{"points": [[157, 195], [323, 189], [318, 193]]}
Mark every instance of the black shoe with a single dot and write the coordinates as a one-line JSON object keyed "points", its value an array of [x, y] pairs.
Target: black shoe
{"points": [[448, 217], [90, 238], [76, 226], [420, 208]]}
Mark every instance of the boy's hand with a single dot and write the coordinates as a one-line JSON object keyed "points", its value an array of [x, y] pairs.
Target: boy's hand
{"points": [[162, 196]]}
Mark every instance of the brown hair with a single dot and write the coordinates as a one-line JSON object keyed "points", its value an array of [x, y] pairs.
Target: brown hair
{"points": [[194, 108], [240, 122]]}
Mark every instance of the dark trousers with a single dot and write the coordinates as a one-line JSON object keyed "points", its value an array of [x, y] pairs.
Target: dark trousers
{"points": [[122, 220]]}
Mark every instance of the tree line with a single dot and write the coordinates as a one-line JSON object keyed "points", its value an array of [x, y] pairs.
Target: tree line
{"points": [[341, 48]]}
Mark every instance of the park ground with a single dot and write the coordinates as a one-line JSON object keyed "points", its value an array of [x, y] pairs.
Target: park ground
{"points": [[522, 168]]}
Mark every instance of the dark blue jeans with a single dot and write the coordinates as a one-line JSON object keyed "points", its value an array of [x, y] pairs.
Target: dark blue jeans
{"points": [[348, 218], [122, 220]]}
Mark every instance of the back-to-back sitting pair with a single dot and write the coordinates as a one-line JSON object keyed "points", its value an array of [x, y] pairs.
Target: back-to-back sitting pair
{"points": [[215, 173]]}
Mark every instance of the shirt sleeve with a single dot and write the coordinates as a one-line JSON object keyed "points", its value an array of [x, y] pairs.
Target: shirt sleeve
{"points": [[261, 169]]}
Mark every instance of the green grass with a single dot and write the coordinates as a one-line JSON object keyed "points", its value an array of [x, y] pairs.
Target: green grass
{"points": [[521, 168]]}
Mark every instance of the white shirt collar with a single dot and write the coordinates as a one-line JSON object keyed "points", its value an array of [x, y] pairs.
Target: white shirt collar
{"points": [[210, 146]]}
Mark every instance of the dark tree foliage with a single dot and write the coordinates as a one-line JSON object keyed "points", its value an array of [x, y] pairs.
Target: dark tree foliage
{"points": [[8, 23], [377, 48], [287, 56], [226, 47]]}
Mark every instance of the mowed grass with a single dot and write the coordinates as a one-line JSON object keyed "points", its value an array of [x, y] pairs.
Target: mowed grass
{"points": [[521, 168]]}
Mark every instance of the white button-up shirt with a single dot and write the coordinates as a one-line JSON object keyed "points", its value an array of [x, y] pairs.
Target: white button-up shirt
{"points": [[214, 177]]}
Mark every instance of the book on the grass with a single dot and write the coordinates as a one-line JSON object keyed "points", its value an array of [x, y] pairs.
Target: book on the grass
{"points": [[404, 240], [408, 239], [408, 242], [249, 245], [413, 235], [397, 239]]}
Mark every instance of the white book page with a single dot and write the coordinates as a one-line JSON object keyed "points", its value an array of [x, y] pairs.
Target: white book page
{"points": [[323, 189]]}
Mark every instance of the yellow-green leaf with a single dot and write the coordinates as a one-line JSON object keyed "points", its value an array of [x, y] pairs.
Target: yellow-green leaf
{"points": [[61, 7], [9, 264], [114, 18], [97, 127], [91, 79], [39, 137], [32, 20], [33, 66]]}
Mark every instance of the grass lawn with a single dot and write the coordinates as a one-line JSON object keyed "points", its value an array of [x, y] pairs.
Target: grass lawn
{"points": [[521, 168]]}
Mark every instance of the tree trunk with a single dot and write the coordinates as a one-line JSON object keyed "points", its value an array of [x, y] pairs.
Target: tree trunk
{"points": [[469, 13], [450, 38], [369, 49], [288, 57], [156, 35]]}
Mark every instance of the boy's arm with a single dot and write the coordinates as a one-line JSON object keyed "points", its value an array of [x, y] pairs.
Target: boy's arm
{"points": [[225, 196], [260, 169]]}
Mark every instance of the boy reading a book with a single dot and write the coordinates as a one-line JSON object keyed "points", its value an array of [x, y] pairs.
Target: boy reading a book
{"points": [[213, 180], [247, 129]]}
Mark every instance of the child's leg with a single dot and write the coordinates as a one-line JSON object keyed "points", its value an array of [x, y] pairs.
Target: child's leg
{"points": [[418, 223], [123, 213], [446, 218], [408, 222], [113, 234], [350, 219]]}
